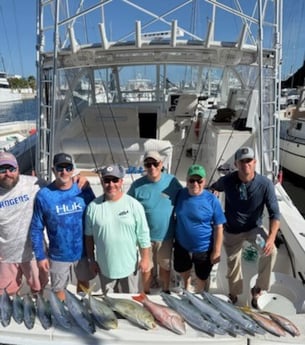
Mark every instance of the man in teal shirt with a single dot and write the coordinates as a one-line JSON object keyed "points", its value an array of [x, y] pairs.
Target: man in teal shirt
{"points": [[116, 227], [157, 192]]}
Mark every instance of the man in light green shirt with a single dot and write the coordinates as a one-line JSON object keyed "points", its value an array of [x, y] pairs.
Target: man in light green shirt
{"points": [[117, 235]]}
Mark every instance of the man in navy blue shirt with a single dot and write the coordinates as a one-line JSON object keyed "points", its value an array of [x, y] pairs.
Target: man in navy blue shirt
{"points": [[246, 195]]}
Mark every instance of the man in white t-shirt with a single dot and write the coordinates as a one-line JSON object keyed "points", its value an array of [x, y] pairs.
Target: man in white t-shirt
{"points": [[17, 194]]}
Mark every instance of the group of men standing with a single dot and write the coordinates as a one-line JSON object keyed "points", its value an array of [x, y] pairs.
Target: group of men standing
{"points": [[124, 236]]}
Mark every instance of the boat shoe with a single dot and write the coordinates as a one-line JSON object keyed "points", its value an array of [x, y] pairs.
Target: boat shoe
{"points": [[233, 299], [255, 292]]}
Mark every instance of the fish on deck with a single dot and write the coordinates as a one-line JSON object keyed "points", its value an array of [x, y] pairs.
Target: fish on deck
{"points": [[166, 316]]}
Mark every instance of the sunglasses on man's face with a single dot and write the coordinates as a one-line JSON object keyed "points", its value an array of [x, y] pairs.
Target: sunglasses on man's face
{"points": [[5, 168], [246, 160], [193, 180], [150, 164], [61, 168], [111, 179]]}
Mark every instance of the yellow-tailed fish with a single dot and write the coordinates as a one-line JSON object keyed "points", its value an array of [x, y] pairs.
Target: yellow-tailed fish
{"points": [[131, 311], [286, 324], [166, 316], [266, 323]]}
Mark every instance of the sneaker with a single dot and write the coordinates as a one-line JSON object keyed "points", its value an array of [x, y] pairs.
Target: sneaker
{"points": [[233, 298], [255, 292]]}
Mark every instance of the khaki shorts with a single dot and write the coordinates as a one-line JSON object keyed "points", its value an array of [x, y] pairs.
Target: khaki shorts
{"points": [[11, 276], [162, 254]]}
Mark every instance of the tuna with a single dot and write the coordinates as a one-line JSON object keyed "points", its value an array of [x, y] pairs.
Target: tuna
{"points": [[17, 309], [44, 312], [6, 308], [79, 313], [59, 312], [29, 311]]}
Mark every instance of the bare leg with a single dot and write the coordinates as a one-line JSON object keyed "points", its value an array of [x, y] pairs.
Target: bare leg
{"points": [[146, 281], [186, 276], [81, 283], [165, 278], [61, 295]]}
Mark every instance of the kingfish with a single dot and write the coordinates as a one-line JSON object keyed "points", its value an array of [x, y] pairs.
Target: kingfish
{"points": [[18, 309], [190, 314], [286, 324], [103, 315], [132, 311], [6, 308], [234, 314], [208, 311], [29, 311], [59, 311], [79, 312], [166, 316], [44, 312]]}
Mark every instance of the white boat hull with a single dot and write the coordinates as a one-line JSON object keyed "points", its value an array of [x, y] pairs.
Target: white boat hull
{"points": [[293, 156]]}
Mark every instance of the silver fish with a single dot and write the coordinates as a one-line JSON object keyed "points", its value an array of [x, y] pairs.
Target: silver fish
{"points": [[6, 308], [29, 311], [166, 316], [208, 311], [132, 311], [79, 313], [286, 324], [44, 312], [102, 313], [60, 313], [242, 319], [190, 314], [18, 309]]}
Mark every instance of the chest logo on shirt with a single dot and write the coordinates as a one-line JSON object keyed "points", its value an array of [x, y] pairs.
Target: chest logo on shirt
{"points": [[123, 213], [72, 208]]}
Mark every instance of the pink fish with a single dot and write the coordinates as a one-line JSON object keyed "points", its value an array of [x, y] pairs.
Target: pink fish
{"points": [[166, 316]]}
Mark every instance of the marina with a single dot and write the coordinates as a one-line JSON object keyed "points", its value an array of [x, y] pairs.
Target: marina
{"points": [[112, 98]]}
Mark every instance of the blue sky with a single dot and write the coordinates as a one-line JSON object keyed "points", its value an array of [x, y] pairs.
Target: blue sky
{"points": [[18, 35]]}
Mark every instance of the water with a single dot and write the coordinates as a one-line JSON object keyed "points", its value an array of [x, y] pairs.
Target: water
{"points": [[19, 110], [295, 187]]}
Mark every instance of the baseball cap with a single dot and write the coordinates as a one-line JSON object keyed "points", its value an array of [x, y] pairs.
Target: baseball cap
{"points": [[244, 153], [196, 169], [115, 170], [62, 158], [153, 155], [7, 158]]}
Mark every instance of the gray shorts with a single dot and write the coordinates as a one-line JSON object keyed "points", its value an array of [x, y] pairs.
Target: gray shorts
{"points": [[60, 273]]}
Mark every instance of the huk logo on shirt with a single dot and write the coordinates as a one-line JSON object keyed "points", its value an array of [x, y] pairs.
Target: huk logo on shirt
{"points": [[75, 207]]}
